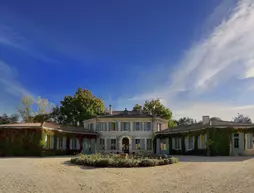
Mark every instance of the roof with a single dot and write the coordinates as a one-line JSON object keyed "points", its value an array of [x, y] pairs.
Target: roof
{"points": [[50, 126], [68, 129], [201, 126], [127, 114]]}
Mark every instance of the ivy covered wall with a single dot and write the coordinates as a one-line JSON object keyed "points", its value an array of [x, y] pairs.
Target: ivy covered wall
{"points": [[20, 142], [218, 141]]}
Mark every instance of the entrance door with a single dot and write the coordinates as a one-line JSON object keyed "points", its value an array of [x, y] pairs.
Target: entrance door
{"points": [[125, 143]]}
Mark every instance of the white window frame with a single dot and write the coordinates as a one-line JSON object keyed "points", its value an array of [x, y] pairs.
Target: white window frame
{"points": [[159, 125]]}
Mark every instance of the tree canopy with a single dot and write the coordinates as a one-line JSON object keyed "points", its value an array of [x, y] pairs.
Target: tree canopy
{"points": [[242, 119], [73, 110], [155, 108], [185, 121], [7, 119], [137, 108]]}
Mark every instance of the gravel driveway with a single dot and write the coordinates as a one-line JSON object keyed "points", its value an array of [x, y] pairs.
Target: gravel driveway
{"points": [[192, 174]]}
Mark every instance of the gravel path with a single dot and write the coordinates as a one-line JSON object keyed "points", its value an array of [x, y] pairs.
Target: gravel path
{"points": [[193, 174]]}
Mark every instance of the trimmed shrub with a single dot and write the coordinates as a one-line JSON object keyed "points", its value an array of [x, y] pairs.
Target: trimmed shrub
{"points": [[118, 160]]}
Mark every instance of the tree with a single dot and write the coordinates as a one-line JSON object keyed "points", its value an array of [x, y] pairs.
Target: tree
{"points": [[137, 108], [74, 110], [215, 119], [242, 119], [25, 110], [8, 119], [44, 106], [155, 108], [185, 121]]}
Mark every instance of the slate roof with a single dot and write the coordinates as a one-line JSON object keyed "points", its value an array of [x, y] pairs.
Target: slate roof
{"points": [[50, 126], [127, 114], [201, 126]]}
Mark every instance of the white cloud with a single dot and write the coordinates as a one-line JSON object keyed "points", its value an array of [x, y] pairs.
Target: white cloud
{"points": [[226, 54], [9, 83]]}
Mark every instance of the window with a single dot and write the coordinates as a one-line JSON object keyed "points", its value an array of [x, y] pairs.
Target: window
{"points": [[236, 140], [177, 143], [74, 143], [125, 126], [202, 141], [163, 144], [190, 142], [159, 127], [148, 126], [102, 144], [91, 126], [113, 144], [49, 141], [112, 126], [101, 126], [137, 143], [149, 144], [60, 142], [137, 126]]}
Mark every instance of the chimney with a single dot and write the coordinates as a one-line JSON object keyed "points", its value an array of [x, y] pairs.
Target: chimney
{"points": [[206, 120], [110, 109]]}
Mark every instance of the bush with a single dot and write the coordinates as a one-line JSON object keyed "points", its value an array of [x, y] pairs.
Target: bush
{"points": [[118, 160]]}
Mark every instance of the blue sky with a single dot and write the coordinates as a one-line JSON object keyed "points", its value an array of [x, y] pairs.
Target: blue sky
{"points": [[196, 56]]}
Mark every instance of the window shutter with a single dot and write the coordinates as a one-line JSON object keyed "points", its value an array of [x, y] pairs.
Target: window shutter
{"points": [[249, 140], [121, 126], [78, 145], [52, 142], [180, 141], [70, 143], [141, 126], [117, 145], [142, 144], [199, 142], [64, 143], [133, 144], [57, 143], [186, 143], [149, 126], [116, 125], [205, 140], [129, 126], [108, 144], [145, 126], [173, 143], [109, 126], [134, 126]]}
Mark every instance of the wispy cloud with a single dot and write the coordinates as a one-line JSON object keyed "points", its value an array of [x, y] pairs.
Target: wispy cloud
{"points": [[226, 54], [11, 38]]}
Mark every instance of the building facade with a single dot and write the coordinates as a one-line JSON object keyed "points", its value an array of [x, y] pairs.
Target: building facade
{"points": [[125, 131], [209, 137]]}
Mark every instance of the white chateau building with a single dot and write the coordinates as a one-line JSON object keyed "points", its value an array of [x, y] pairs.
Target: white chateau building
{"points": [[125, 131]]}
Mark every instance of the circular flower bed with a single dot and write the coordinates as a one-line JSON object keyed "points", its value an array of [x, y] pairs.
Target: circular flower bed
{"points": [[123, 160]]}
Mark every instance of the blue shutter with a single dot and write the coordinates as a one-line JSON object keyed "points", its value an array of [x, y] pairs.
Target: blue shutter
{"points": [[57, 143], [52, 142], [109, 126], [116, 125], [142, 144], [121, 126], [64, 143], [141, 126], [108, 144], [134, 126], [133, 144], [129, 126]]}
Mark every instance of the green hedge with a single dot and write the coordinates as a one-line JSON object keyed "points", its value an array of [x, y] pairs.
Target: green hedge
{"points": [[117, 160]]}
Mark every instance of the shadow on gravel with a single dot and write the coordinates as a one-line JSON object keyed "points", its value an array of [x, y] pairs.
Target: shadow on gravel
{"points": [[68, 163], [213, 159]]}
